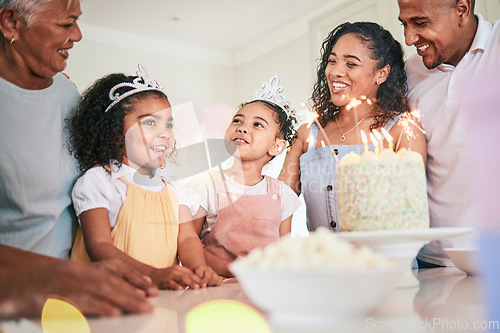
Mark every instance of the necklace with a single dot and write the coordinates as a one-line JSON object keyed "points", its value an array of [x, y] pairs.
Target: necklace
{"points": [[342, 138]]}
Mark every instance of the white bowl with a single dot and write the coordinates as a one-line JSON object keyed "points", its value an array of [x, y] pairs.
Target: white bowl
{"points": [[464, 259], [298, 295]]}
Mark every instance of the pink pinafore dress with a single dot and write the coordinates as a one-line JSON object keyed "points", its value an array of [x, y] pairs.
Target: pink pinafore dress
{"points": [[244, 222]]}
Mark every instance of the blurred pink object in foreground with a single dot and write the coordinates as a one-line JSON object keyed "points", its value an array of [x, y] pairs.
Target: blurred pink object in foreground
{"points": [[481, 97]]}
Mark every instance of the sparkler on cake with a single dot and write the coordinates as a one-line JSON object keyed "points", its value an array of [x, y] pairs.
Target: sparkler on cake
{"points": [[382, 190]]}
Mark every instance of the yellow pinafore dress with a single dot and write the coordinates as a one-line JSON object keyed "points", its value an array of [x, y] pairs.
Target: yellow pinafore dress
{"points": [[146, 228]]}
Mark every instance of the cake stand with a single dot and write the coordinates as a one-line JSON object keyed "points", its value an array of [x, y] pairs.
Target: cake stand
{"points": [[402, 246]]}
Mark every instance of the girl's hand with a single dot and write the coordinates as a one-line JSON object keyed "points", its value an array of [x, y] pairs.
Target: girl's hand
{"points": [[176, 278], [208, 276]]}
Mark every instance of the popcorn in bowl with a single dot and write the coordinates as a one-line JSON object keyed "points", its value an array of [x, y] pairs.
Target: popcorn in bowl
{"points": [[322, 250], [316, 277]]}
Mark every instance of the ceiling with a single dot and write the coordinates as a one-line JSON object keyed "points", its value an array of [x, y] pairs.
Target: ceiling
{"points": [[223, 25]]}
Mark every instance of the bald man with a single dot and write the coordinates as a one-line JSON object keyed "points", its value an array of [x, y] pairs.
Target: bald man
{"points": [[455, 48]]}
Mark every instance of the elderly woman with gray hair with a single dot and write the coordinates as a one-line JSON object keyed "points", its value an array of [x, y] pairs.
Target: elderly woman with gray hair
{"points": [[37, 172]]}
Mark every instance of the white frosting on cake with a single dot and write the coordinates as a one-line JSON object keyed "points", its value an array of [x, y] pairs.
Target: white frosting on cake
{"points": [[382, 192]]}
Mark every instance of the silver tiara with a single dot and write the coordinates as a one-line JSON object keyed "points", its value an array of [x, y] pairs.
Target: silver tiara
{"points": [[148, 83], [271, 92]]}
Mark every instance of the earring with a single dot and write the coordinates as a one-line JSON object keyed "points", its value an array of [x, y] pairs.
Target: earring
{"points": [[12, 41], [379, 83]]}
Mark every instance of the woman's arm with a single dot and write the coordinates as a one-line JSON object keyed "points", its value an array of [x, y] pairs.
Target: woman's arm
{"points": [[97, 235], [104, 288], [290, 173], [13, 257], [94, 290]]}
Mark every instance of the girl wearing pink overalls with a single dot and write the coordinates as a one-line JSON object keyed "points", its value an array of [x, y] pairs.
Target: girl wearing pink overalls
{"points": [[242, 209]]}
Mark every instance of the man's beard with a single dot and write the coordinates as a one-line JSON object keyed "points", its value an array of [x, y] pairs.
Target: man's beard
{"points": [[440, 59]]}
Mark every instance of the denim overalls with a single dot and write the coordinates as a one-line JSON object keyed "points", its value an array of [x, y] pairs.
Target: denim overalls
{"points": [[318, 175]]}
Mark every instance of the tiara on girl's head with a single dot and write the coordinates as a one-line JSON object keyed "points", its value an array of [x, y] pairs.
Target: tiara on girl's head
{"points": [[148, 83], [271, 92]]}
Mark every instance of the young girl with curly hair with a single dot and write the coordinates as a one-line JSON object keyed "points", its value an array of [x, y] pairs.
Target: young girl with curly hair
{"points": [[241, 209], [360, 61], [121, 133]]}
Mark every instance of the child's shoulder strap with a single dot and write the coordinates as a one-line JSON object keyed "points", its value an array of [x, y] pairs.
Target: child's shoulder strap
{"points": [[219, 183], [273, 185]]}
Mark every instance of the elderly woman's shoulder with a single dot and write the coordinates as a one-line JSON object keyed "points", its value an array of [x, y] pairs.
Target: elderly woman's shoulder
{"points": [[63, 83]]}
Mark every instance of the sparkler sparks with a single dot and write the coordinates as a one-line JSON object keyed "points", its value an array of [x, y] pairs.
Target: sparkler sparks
{"points": [[410, 120]]}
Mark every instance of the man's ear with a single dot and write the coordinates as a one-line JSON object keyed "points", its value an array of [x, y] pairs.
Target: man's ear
{"points": [[464, 10], [278, 147]]}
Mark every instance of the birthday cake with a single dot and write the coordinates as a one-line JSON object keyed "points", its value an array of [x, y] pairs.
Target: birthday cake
{"points": [[387, 191]]}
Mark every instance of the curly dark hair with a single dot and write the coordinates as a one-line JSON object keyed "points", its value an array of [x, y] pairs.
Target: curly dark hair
{"points": [[391, 95], [96, 137], [287, 123]]}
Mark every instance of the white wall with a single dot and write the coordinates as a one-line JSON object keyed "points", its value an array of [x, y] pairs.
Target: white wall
{"points": [[184, 79], [489, 9], [291, 62]]}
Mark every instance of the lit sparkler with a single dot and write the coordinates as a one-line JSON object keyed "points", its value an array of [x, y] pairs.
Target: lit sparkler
{"points": [[409, 121]]}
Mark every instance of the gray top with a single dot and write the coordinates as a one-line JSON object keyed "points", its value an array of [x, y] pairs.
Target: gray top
{"points": [[36, 170], [318, 178]]}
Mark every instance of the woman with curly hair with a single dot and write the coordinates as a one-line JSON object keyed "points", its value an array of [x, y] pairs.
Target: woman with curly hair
{"points": [[359, 61], [121, 133]]}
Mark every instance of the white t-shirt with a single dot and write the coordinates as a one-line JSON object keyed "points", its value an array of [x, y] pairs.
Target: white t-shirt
{"points": [[438, 95], [97, 188], [204, 185]]}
